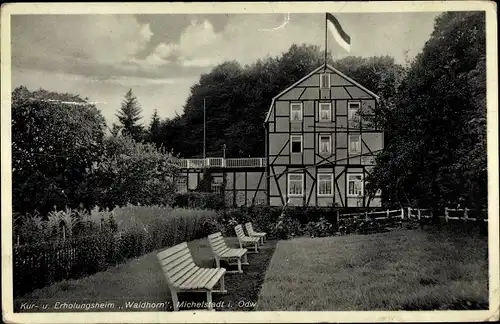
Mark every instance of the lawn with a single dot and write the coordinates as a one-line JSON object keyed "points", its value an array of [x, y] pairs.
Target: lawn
{"points": [[142, 280], [400, 270]]}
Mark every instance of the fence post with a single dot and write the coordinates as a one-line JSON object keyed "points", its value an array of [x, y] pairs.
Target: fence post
{"points": [[223, 162], [188, 165], [207, 162], [387, 213], [366, 216], [402, 213], [338, 218], [409, 212], [261, 162], [466, 215], [446, 214], [419, 214]]}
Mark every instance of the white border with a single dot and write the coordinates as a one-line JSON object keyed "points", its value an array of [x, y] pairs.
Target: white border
{"points": [[242, 7]]}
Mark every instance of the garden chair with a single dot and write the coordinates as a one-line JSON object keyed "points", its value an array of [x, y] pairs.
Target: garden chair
{"points": [[183, 275], [222, 252], [246, 240], [251, 232]]}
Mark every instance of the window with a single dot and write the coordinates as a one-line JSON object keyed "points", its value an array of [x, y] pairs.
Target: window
{"points": [[325, 184], [216, 185], [296, 144], [355, 184], [296, 111], [325, 144], [324, 81], [354, 144], [295, 184], [353, 110], [181, 183], [325, 111]]}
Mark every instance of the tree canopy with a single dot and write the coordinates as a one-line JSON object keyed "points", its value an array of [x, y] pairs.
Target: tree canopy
{"points": [[238, 98], [55, 137], [436, 154], [129, 116]]}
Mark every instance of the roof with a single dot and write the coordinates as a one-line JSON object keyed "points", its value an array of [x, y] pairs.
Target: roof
{"points": [[323, 66]]}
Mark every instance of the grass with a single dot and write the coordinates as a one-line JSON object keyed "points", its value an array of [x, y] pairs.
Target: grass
{"points": [[142, 280], [400, 270]]}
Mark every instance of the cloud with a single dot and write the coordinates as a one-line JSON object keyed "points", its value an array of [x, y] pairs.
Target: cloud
{"points": [[98, 39]]}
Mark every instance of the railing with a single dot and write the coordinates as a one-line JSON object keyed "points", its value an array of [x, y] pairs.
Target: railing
{"points": [[221, 163]]}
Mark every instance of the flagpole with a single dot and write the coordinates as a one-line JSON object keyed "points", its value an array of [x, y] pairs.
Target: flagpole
{"points": [[326, 35], [204, 129]]}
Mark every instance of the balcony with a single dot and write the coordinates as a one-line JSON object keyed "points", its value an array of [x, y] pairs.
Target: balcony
{"points": [[221, 163]]}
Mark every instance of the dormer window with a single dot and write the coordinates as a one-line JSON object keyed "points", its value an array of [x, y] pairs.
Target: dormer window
{"points": [[295, 111], [324, 81]]}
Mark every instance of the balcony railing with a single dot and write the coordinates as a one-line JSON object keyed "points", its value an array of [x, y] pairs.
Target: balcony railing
{"points": [[221, 163]]}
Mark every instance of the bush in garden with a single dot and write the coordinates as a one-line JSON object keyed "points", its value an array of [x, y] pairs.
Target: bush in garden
{"points": [[104, 238], [131, 173], [320, 228], [52, 145], [202, 200]]}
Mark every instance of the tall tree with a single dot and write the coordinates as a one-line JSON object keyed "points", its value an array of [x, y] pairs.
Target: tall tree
{"points": [[154, 131], [55, 138], [436, 155], [238, 98], [129, 116]]}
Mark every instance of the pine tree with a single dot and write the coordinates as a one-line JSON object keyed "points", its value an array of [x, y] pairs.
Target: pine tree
{"points": [[155, 129], [129, 116]]}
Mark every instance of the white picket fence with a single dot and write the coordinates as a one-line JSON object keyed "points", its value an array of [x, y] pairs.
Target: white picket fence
{"points": [[411, 213], [384, 214], [463, 214]]}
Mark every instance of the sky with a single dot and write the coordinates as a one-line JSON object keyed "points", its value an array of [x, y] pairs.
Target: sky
{"points": [[161, 56]]}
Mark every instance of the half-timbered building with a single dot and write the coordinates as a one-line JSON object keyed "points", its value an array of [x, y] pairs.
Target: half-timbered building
{"points": [[322, 142]]}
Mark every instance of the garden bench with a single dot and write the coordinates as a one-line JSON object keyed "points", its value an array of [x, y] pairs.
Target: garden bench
{"points": [[251, 232], [246, 240], [183, 275], [222, 252]]}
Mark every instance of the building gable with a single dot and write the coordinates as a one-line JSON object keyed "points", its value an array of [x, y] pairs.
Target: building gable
{"points": [[341, 87]]}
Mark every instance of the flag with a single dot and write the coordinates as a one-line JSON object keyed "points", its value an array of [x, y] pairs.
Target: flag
{"points": [[338, 33]]}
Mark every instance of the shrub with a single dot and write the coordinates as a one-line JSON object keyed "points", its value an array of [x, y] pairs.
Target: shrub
{"points": [[123, 233], [202, 200], [130, 173]]}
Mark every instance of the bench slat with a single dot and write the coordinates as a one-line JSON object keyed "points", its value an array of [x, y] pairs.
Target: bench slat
{"points": [[214, 235], [187, 284], [182, 268], [192, 272], [234, 253], [171, 265], [222, 251], [211, 283], [200, 281], [170, 251], [168, 259]]}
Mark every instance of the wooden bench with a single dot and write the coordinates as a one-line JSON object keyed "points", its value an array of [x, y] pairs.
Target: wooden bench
{"points": [[183, 275], [246, 240], [223, 252], [251, 232]]}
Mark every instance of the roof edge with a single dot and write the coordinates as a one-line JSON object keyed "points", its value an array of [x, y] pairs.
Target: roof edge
{"points": [[324, 65]]}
